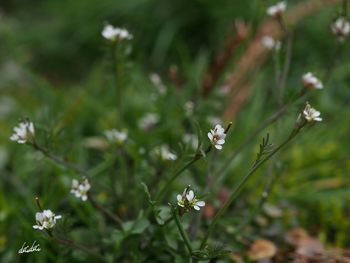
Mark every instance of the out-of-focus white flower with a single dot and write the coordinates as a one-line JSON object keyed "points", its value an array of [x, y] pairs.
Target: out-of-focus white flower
{"points": [[148, 121], [190, 139], [189, 107], [188, 201], [80, 189], [116, 136], [114, 33], [157, 81], [310, 81], [164, 153], [277, 9], [270, 43], [310, 114], [340, 28], [217, 136], [45, 219], [213, 120], [23, 132]]}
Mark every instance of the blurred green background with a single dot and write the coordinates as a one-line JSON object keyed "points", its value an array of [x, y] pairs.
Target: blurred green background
{"points": [[55, 69]]}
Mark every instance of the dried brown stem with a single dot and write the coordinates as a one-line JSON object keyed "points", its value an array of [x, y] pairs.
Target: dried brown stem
{"points": [[222, 59]]}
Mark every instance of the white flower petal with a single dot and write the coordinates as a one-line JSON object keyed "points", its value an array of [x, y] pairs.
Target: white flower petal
{"points": [[200, 203], [196, 207], [190, 196], [219, 147], [179, 198]]}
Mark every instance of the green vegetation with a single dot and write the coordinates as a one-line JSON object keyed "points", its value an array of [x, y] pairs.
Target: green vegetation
{"points": [[58, 71]]}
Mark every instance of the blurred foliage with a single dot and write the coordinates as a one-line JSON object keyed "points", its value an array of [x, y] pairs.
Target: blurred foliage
{"points": [[56, 69]]}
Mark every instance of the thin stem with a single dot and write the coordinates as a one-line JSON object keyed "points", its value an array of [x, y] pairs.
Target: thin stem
{"points": [[345, 8], [181, 230], [116, 77], [220, 174], [66, 164], [286, 66], [262, 200], [197, 157], [247, 141], [104, 211], [72, 244], [240, 185], [37, 201], [59, 160]]}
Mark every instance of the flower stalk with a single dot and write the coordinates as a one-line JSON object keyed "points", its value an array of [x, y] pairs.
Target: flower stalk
{"points": [[236, 191], [181, 230]]}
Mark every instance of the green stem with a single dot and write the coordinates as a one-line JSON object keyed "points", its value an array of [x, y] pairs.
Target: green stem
{"points": [[72, 244], [262, 200], [240, 185], [220, 174], [181, 230], [59, 160], [197, 157], [116, 76], [103, 210], [69, 165]]}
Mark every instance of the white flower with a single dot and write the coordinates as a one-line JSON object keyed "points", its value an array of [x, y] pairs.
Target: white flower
{"points": [[340, 28], [213, 120], [310, 81], [114, 33], [157, 81], [277, 9], [270, 43], [80, 189], [217, 136], [188, 201], [164, 153], [45, 219], [23, 132], [116, 136], [148, 121], [310, 114]]}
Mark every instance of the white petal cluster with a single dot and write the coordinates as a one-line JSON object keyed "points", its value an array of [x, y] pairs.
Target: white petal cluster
{"points": [[114, 33], [165, 154], [148, 121], [116, 136], [270, 43], [23, 132], [217, 136], [188, 201], [80, 189], [310, 114], [277, 9], [340, 28], [310, 81], [157, 81], [45, 220]]}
